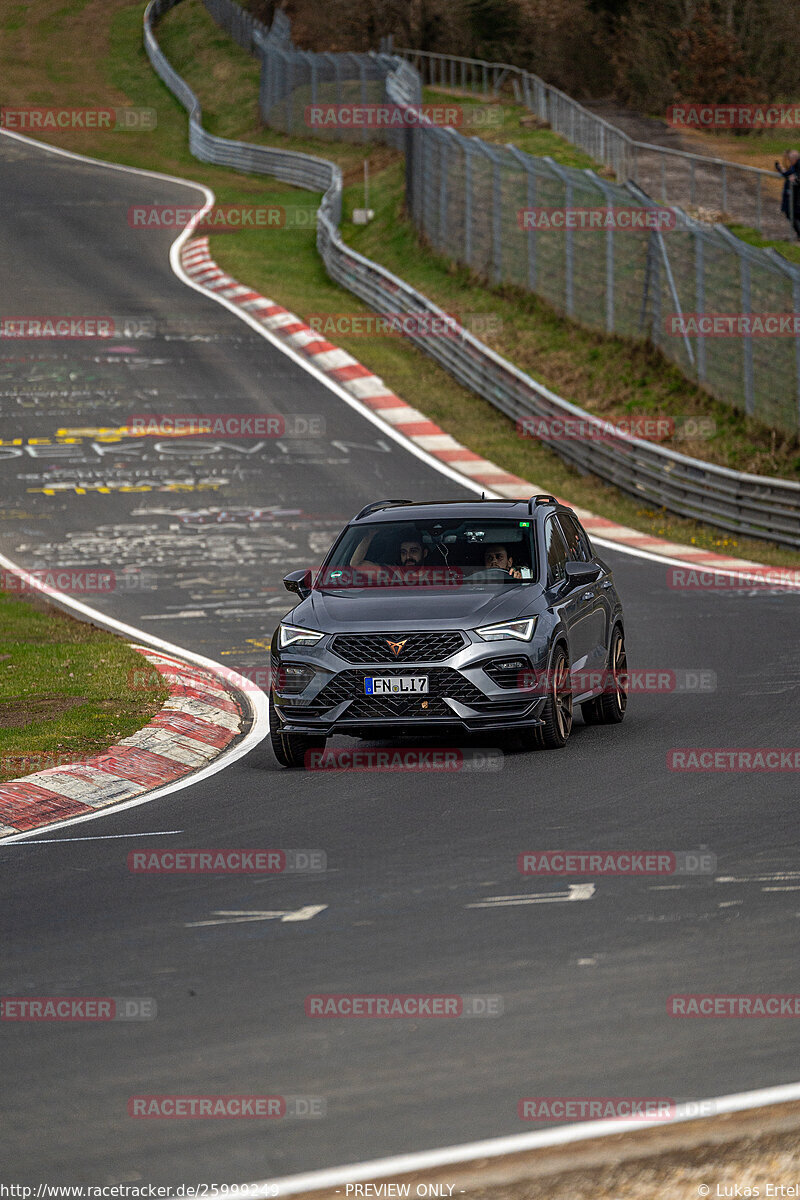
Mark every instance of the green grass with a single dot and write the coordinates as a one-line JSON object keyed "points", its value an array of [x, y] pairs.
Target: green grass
{"points": [[789, 250], [606, 375], [67, 689], [502, 121], [591, 370]]}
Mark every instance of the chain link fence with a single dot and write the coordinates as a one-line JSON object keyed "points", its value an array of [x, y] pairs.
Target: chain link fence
{"points": [[749, 195], [483, 205], [756, 505], [472, 201]]}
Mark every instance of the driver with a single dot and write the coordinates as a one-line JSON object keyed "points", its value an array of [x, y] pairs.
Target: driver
{"points": [[496, 556]]}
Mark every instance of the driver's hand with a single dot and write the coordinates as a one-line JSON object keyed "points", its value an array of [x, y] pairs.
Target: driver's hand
{"points": [[515, 572]]}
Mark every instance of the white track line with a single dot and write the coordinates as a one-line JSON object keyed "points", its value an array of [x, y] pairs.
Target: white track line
{"points": [[402, 1164], [258, 699], [100, 837], [308, 366], [410, 1162]]}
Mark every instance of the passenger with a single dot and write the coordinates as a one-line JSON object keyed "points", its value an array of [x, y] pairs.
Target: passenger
{"points": [[412, 551]]}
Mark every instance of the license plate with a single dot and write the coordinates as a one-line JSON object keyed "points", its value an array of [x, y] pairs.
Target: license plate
{"points": [[392, 685]]}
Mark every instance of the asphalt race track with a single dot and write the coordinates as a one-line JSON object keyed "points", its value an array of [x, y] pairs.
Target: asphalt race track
{"points": [[202, 548]]}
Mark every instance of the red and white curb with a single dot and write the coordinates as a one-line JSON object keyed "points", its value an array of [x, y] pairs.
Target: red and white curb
{"points": [[370, 391], [200, 718]]}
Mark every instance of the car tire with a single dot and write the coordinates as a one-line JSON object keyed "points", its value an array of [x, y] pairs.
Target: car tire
{"points": [[290, 749], [557, 711], [609, 709]]}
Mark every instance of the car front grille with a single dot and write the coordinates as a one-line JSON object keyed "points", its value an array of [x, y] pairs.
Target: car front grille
{"points": [[442, 682], [414, 647]]}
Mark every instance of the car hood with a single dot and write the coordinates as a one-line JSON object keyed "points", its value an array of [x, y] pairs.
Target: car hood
{"points": [[396, 610]]}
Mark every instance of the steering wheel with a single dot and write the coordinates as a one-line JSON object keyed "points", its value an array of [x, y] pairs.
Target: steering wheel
{"points": [[491, 575]]}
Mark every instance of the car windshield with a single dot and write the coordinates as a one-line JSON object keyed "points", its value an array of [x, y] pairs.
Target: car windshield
{"points": [[479, 552]]}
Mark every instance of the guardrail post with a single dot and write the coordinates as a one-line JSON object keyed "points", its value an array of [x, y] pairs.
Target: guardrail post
{"points": [[444, 157], [497, 219], [468, 201], [788, 269], [724, 188], [650, 274], [362, 72], [528, 166], [763, 507], [656, 333], [607, 196], [411, 198], [747, 341], [700, 298], [290, 94], [569, 241], [758, 205], [337, 67]]}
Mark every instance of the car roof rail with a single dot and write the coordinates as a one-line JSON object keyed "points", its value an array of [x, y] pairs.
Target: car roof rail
{"points": [[542, 498], [378, 504]]}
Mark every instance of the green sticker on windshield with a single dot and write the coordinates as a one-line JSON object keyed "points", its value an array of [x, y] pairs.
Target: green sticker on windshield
{"points": [[524, 524]]}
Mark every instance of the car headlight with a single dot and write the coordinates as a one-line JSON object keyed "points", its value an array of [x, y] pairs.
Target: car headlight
{"points": [[521, 631], [295, 635]]}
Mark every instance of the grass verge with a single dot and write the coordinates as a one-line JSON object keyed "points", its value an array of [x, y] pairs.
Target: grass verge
{"points": [[65, 688], [607, 375]]}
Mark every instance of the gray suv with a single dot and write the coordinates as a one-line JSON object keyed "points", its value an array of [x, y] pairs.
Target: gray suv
{"points": [[491, 617]]}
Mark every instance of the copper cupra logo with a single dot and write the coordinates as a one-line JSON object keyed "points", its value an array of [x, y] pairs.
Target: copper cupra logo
{"points": [[395, 647]]}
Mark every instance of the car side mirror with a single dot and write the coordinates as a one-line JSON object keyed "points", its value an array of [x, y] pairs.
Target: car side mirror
{"points": [[579, 574], [298, 582]]}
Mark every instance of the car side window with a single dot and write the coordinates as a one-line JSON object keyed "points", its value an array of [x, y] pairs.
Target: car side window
{"points": [[556, 551], [577, 544]]}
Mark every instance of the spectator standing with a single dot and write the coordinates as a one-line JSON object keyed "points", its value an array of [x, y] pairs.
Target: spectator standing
{"points": [[790, 201]]}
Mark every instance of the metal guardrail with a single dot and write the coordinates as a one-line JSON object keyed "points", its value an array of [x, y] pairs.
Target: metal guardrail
{"points": [[301, 170], [673, 176], [471, 199], [745, 504]]}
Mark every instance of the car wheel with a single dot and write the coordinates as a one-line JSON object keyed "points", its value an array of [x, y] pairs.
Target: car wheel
{"points": [[290, 749], [609, 709], [557, 711]]}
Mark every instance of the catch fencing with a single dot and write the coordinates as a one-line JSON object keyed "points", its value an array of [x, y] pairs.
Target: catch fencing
{"points": [[494, 208], [735, 191], [470, 197], [741, 503]]}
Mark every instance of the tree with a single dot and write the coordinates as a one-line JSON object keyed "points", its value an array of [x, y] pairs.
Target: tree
{"points": [[711, 62]]}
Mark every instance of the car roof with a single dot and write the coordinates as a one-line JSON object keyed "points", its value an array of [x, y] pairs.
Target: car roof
{"points": [[407, 510]]}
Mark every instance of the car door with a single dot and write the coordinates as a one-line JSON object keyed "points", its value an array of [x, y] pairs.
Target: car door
{"points": [[595, 595], [575, 606]]}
